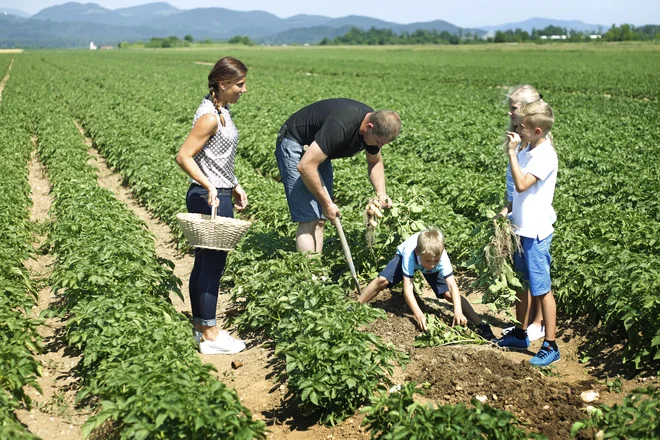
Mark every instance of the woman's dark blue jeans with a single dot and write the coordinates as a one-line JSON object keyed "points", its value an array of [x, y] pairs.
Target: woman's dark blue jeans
{"points": [[209, 263]]}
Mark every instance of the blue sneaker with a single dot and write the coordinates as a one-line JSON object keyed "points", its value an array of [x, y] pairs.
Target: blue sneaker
{"points": [[510, 341], [545, 356]]}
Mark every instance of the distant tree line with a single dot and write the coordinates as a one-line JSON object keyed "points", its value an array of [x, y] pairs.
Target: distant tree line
{"points": [[625, 32], [241, 40], [387, 37], [376, 37], [373, 36]]}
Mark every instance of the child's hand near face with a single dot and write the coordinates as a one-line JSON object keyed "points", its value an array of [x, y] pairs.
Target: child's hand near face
{"points": [[513, 140]]}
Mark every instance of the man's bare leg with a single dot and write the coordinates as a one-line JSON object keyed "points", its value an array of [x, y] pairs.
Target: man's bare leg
{"points": [[306, 237]]}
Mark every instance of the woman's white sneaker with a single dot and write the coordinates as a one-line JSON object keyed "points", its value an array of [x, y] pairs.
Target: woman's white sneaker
{"points": [[223, 344]]}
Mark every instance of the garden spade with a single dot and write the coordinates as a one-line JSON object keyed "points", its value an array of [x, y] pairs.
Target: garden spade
{"points": [[344, 244]]}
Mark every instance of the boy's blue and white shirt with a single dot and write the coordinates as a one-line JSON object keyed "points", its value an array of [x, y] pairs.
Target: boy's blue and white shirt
{"points": [[533, 214], [410, 261]]}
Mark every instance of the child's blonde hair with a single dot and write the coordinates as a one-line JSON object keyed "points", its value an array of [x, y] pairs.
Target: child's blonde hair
{"points": [[430, 243], [538, 114], [523, 94]]}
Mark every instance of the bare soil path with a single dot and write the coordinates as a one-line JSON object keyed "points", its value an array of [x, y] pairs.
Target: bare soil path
{"points": [[5, 78], [54, 414]]}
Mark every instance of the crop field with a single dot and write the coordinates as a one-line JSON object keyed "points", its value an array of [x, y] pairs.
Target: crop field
{"points": [[318, 365]]}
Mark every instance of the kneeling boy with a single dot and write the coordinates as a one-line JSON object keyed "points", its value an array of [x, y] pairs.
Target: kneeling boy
{"points": [[425, 251]]}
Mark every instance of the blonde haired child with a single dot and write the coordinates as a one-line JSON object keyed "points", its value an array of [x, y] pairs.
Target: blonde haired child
{"points": [[518, 96], [534, 172], [425, 251]]}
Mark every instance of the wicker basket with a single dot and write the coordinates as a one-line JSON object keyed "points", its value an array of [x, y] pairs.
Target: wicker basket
{"points": [[211, 232]]}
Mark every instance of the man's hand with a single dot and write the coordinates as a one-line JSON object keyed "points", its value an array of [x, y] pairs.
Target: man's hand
{"points": [[421, 321], [384, 200], [459, 319], [331, 212]]}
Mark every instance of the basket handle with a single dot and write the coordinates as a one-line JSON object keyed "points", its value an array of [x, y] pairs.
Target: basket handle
{"points": [[214, 210]]}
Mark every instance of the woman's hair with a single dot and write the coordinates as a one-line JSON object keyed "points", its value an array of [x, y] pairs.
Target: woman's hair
{"points": [[430, 243], [539, 114], [387, 123], [226, 71]]}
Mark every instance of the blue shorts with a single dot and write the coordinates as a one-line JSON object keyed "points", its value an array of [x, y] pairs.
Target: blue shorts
{"points": [[393, 273], [534, 264], [302, 204]]}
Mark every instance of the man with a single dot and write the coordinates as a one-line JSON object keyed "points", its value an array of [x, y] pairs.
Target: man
{"points": [[307, 143]]}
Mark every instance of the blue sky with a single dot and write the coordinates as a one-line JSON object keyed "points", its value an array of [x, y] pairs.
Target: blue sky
{"points": [[466, 13]]}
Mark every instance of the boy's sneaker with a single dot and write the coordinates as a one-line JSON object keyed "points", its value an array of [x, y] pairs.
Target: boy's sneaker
{"points": [[197, 336], [510, 341], [485, 332], [223, 344], [545, 356], [535, 332]]}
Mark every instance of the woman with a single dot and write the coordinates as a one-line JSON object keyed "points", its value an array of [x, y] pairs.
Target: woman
{"points": [[207, 156]]}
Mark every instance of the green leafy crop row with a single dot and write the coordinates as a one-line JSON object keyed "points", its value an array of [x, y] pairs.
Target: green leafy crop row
{"points": [[19, 339], [138, 357]]}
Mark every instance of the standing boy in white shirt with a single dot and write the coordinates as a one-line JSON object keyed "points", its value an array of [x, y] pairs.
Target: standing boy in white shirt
{"points": [[534, 173]]}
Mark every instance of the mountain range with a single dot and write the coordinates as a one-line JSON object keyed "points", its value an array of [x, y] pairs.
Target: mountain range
{"points": [[76, 24]]}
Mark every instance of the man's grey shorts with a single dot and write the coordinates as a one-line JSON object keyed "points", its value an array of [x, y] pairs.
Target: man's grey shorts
{"points": [[302, 204]]}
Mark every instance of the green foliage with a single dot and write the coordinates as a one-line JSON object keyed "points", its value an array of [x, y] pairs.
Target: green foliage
{"points": [[396, 415], [138, 358], [638, 417], [439, 334], [440, 171], [492, 262], [19, 339]]}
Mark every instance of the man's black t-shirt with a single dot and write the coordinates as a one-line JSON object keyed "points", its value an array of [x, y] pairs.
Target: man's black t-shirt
{"points": [[333, 123]]}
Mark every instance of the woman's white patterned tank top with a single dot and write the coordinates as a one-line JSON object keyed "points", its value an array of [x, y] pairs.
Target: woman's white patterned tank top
{"points": [[216, 158]]}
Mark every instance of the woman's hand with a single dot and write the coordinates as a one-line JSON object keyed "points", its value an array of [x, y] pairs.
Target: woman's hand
{"points": [[240, 198], [213, 200]]}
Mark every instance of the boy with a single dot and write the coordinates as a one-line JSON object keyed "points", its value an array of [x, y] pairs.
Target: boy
{"points": [[425, 251], [534, 172]]}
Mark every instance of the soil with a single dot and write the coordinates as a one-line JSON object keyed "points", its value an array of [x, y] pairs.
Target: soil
{"points": [[547, 402], [5, 78]]}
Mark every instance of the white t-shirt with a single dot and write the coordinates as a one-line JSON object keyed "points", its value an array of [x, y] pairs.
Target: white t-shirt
{"points": [[410, 261], [533, 214]]}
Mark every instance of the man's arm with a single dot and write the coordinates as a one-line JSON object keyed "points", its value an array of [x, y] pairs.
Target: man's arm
{"points": [[376, 170], [308, 167]]}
